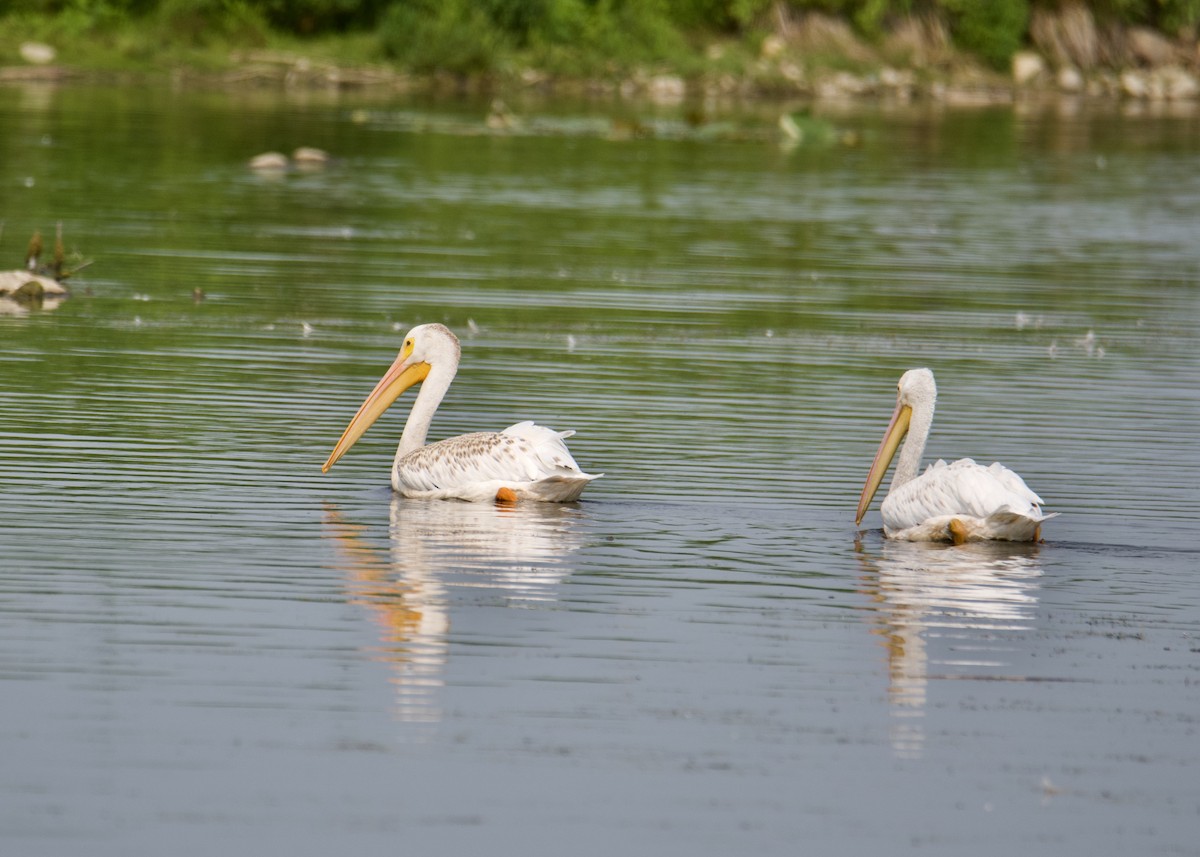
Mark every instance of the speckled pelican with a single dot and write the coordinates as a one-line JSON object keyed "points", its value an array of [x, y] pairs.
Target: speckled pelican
{"points": [[525, 461], [957, 502]]}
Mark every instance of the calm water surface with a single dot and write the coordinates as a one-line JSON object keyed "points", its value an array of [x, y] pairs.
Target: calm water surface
{"points": [[206, 645]]}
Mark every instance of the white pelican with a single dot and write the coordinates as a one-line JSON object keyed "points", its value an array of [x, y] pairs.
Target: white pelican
{"points": [[958, 502], [525, 461]]}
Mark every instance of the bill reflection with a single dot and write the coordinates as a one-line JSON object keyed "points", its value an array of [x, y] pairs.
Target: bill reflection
{"points": [[441, 558]]}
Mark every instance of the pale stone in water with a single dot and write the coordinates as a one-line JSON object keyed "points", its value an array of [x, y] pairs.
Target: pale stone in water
{"points": [[310, 155], [13, 281], [269, 161], [37, 53]]}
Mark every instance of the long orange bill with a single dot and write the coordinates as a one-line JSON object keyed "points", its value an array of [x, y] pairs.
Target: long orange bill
{"points": [[896, 431], [398, 378]]}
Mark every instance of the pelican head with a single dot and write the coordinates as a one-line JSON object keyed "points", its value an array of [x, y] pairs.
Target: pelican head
{"points": [[915, 391], [426, 347]]}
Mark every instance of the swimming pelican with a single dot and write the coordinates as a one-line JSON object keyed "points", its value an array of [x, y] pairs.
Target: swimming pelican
{"points": [[525, 461], [958, 502]]}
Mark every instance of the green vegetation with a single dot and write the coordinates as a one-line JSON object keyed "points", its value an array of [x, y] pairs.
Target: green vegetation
{"points": [[569, 38], [994, 31]]}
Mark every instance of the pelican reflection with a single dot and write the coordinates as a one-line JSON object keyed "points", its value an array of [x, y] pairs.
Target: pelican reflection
{"points": [[440, 556], [965, 600], [517, 552]]}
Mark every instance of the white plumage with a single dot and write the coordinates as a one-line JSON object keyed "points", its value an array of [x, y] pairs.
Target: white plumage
{"points": [[958, 502], [531, 460], [525, 461]]}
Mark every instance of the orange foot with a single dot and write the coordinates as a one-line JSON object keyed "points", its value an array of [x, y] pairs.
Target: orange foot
{"points": [[958, 531], [506, 495]]}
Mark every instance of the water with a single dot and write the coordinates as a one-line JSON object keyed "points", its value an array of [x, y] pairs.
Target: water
{"points": [[206, 644]]}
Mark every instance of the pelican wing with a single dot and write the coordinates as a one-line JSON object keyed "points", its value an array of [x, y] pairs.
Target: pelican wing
{"points": [[474, 466], [960, 489], [1014, 483]]}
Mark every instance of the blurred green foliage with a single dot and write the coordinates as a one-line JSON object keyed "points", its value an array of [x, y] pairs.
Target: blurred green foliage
{"points": [[559, 36], [991, 29], [582, 36]]}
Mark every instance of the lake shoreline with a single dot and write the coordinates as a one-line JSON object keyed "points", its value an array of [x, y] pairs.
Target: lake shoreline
{"points": [[976, 87], [816, 59]]}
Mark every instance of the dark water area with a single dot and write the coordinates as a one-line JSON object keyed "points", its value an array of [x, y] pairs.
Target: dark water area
{"points": [[206, 644]]}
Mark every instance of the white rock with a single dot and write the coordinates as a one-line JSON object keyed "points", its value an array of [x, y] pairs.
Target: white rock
{"points": [[269, 161], [1026, 67], [667, 88], [310, 155], [13, 281], [1134, 84], [791, 72], [1070, 80], [1150, 47], [37, 53], [842, 85], [896, 78], [772, 47], [1178, 84], [1157, 86]]}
